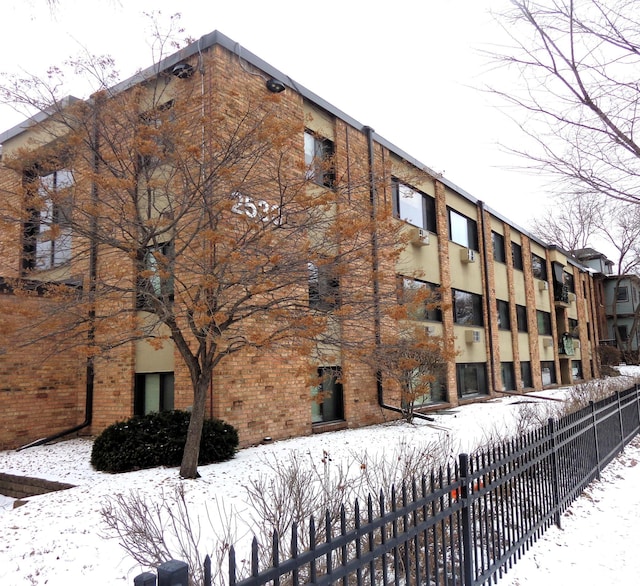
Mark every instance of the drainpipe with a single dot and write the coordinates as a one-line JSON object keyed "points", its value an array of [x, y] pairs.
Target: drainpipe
{"points": [[376, 285], [488, 297], [93, 263]]}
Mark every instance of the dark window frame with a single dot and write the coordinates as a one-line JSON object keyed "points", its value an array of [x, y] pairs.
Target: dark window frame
{"points": [[543, 319], [427, 220], [476, 317], [477, 370], [516, 256], [166, 392], [503, 313], [319, 156], [499, 250], [323, 286], [539, 267], [470, 239], [427, 314], [330, 408], [522, 318]]}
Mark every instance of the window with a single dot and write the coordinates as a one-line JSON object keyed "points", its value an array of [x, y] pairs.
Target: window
{"points": [[423, 297], [153, 393], [463, 230], [155, 283], [324, 286], [622, 294], [525, 373], [623, 333], [318, 158], [569, 281], [154, 136], [504, 319], [576, 369], [544, 323], [548, 370], [327, 397], [47, 234], [508, 376], [413, 206], [437, 394], [521, 316], [516, 256], [539, 267], [574, 330], [467, 308], [499, 254], [471, 379]]}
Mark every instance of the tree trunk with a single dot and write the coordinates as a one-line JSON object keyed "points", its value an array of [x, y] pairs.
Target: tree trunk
{"points": [[189, 465]]}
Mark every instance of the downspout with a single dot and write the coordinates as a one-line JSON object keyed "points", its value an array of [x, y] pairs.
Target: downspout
{"points": [[93, 263], [488, 297], [373, 209]]}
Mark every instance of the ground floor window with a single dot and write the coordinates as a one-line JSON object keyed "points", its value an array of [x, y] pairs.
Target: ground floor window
{"points": [[508, 376], [471, 379], [525, 373], [327, 397], [437, 394], [153, 392], [548, 369], [576, 369]]}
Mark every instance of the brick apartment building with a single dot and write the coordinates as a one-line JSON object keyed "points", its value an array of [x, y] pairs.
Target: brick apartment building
{"points": [[521, 315]]}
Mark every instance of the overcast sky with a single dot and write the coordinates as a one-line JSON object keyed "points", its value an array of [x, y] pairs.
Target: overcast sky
{"points": [[411, 69]]}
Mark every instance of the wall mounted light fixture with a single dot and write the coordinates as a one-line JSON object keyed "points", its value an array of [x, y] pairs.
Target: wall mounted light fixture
{"points": [[275, 86]]}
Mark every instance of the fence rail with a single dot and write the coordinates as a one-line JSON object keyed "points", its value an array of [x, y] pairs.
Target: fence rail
{"points": [[462, 525]]}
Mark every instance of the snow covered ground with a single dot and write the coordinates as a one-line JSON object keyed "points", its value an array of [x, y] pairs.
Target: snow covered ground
{"points": [[60, 538]]}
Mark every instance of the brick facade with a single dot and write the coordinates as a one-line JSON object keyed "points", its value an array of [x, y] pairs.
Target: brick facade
{"points": [[266, 393]]}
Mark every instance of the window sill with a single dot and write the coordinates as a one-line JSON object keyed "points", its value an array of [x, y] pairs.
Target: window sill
{"points": [[324, 426]]}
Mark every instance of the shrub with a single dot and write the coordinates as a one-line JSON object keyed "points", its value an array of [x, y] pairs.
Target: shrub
{"points": [[158, 439], [609, 355]]}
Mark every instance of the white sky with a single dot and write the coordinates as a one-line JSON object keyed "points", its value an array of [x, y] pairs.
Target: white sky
{"points": [[410, 69]]}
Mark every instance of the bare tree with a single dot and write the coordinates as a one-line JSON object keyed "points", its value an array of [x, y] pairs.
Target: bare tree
{"points": [[577, 64], [190, 217]]}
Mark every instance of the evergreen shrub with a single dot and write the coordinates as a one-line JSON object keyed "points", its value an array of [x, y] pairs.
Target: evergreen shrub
{"points": [[158, 439]]}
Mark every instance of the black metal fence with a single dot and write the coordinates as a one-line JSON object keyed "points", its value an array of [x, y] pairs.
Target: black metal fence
{"points": [[464, 525]]}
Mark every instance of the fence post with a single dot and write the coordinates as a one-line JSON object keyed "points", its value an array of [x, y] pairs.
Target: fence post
{"points": [[594, 423], [637, 407], [173, 573], [620, 420], [467, 539], [145, 579], [555, 472]]}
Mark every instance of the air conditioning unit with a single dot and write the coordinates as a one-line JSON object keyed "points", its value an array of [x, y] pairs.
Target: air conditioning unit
{"points": [[467, 255], [572, 297], [576, 344], [548, 343], [472, 336], [419, 237], [543, 285]]}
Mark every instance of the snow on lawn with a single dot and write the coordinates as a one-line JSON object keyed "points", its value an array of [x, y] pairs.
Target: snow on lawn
{"points": [[59, 538]]}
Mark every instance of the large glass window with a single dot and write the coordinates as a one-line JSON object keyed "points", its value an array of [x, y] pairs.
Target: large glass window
{"points": [[463, 230], [548, 369], [504, 318], [516, 256], [467, 308], [544, 323], [327, 403], [422, 298], [153, 393], [526, 374], [538, 267], [508, 376], [324, 286], [521, 315], [498, 247], [155, 282], [471, 379], [413, 206], [47, 233], [318, 157]]}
